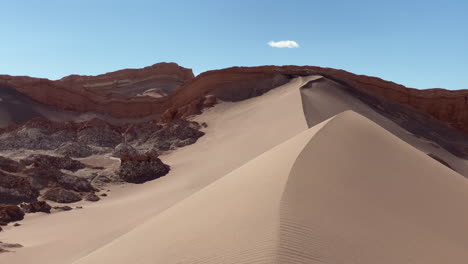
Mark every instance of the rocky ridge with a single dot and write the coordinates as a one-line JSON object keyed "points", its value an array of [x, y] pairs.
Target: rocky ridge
{"points": [[231, 84]]}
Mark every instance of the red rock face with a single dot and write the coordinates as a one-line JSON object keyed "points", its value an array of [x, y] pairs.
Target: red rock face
{"points": [[109, 93], [449, 107], [112, 93]]}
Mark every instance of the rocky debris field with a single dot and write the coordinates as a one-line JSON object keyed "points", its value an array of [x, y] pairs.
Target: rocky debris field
{"points": [[43, 162]]}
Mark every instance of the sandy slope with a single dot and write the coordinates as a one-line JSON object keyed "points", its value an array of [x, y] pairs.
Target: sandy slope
{"points": [[236, 133], [262, 188], [324, 98], [314, 199]]}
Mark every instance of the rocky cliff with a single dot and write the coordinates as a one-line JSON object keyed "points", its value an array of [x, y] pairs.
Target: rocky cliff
{"points": [[115, 93], [237, 83]]}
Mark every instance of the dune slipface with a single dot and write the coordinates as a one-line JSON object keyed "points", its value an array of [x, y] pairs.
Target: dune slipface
{"points": [[313, 200]]}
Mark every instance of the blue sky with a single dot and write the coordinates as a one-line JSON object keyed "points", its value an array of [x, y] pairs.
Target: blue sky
{"points": [[421, 44]]}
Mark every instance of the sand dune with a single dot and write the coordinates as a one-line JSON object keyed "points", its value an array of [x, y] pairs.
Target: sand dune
{"points": [[313, 199], [236, 133], [324, 98], [262, 187]]}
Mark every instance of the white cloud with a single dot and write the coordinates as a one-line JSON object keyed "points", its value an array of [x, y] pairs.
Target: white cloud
{"points": [[284, 44]]}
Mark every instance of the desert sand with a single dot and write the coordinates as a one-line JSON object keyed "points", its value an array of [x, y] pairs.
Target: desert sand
{"points": [[262, 187]]}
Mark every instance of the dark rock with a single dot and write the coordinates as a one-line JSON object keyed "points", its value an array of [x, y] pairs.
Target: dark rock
{"points": [[47, 161], [1, 229], [75, 183], [75, 150], [181, 130], [42, 177], [123, 150], [16, 189], [61, 195], [10, 165], [35, 207], [161, 146], [17, 224], [10, 213], [2, 223], [104, 195], [100, 180], [142, 168], [100, 135], [91, 197], [63, 208], [79, 207]]}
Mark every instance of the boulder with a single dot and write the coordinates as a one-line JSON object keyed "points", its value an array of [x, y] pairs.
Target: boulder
{"points": [[47, 161], [11, 213], [74, 150], [75, 183], [92, 197], [141, 168], [61, 195], [42, 177], [35, 207], [124, 149], [15, 189], [10, 165]]}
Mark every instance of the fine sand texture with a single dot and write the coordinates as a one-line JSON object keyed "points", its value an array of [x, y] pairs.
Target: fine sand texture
{"points": [[323, 98], [313, 200], [236, 133], [262, 187]]}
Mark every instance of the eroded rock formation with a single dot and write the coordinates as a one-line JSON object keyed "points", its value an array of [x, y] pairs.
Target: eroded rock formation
{"points": [[142, 168], [103, 93]]}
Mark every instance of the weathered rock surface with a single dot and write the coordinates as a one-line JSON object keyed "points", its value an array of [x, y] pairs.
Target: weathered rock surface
{"points": [[10, 213], [92, 197], [104, 94], [142, 168], [35, 207], [55, 162], [15, 189], [10, 165], [72, 182], [124, 149], [61, 195], [75, 150]]}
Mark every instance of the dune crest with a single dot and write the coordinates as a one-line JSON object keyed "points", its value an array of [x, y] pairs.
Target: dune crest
{"points": [[328, 195]]}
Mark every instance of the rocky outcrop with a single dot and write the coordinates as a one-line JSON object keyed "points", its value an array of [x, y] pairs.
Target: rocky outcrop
{"points": [[55, 162], [15, 189], [92, 197], [10, 165], [449, 107], [10, 213], [107, 93], [91, 93], [36, 207], [142, 168], [124, 149], [75, 150], [61, 195]]}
